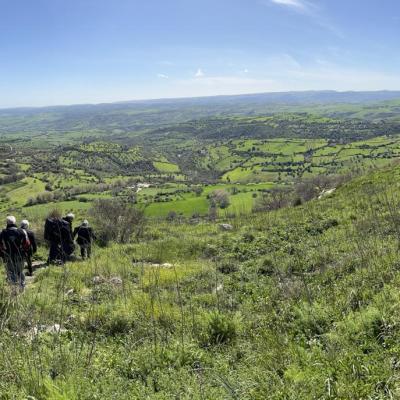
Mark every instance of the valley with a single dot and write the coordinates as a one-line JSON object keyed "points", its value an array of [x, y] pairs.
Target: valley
{"points": [[237, 256]]}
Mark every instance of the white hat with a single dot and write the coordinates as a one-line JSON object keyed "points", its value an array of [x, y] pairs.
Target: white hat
{"points": [[24, 223], [70, 215], [85, 222], [11, 220]]}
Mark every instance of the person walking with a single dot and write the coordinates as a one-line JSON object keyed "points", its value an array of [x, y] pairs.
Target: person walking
{"points": [[85, 237], [14, 242], [32, 248], [57, 231], [69, 218]]}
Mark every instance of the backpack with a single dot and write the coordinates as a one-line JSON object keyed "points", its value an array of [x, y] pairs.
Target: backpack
{"points": [[53, 229], [57, 230], [16, 242], [26, 243]]}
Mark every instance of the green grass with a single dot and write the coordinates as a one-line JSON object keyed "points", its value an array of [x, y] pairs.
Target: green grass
{"points": [[299, 303], [30, 188], [185, 207], [40, 211], [166, 167]]}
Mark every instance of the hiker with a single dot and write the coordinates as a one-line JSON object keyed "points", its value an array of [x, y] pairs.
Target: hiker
{"points": [[32, 248], [85, 237], [57, 231], [14, 242], [69, 218]]}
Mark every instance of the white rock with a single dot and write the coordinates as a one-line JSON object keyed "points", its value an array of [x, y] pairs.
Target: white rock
{"points": [[226, 227], [98, 279], [56, 328], [115, 280], [326, 193]]}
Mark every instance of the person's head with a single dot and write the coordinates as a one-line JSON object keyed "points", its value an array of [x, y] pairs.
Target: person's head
{"points": [[55, 214], [85, 223], [70, 217], [11, 220], [24, 224]]}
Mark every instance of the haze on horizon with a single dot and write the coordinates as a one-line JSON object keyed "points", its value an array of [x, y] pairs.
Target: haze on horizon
{"points": [[95, 51]]}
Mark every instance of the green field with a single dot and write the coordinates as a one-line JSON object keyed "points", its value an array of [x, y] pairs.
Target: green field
{"points": [[245, 250], [63, 178]]}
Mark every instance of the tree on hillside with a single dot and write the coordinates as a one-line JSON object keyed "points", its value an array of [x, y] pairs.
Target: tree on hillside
{"points": [[117, 221], [219, 198]]}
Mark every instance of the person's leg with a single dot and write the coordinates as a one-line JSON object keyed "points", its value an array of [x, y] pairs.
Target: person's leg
{"points": [[67, 250], [19, 269], [83, 252], [53, 252], [89, 250], [29, 264], [11, 275]]}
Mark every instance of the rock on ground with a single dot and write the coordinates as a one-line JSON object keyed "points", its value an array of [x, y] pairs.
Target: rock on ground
{"points": [[226, 227]]}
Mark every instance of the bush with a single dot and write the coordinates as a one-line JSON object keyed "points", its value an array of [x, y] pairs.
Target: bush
{"points": [[172, 216], [220, 329], [219, 198], [117, 221], [274, 199]]}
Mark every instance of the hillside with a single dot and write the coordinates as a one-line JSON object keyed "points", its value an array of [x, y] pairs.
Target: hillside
{"points": [[298, 303], [139, 118], [183, 150]]}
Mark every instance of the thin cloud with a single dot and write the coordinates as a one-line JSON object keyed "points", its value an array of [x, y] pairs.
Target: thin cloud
{"points": [[299, 4], [199, 73], [162, 76], [311, 10]]}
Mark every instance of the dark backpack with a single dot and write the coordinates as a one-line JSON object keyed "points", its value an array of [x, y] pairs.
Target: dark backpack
{"points": [[26, 243], [52, 230], [58, 230], [16, 242]]}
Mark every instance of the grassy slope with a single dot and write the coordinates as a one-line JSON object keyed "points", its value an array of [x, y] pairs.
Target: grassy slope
{"points": [[301, 303]]}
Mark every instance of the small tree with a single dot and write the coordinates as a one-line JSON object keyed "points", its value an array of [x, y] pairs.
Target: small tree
{"points": [[274, 199], [219, 198], [117, 221], [198, 190]]}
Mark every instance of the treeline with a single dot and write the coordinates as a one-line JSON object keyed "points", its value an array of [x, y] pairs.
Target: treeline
{"points": [[11, 178], [73, 192], [302, 192], [289, 126]]}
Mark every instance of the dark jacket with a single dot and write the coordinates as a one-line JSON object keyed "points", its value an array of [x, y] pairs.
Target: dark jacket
{"points": [[85, 235], [69, 224], [12, 240], [32, 240], [58, 231]]}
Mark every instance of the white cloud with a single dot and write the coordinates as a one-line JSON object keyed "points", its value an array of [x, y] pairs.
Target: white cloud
{"points": [[299, 4], [311, 10], [162, 76], [245, 71], [199, 73]]}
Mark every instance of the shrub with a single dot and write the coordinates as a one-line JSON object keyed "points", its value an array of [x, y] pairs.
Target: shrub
{"points": [[227, 268], [219, 198], [274, 199], [172, 216], [220, 329], [117, 221]]}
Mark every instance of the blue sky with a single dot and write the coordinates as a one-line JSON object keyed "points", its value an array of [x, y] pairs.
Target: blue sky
{"points": [[79, 51]]}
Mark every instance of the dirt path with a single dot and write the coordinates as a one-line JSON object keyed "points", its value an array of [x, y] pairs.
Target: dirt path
{"points": [[36, 265]]}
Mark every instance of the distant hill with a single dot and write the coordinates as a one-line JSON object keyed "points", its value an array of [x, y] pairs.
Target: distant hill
{"points": [[138, 117]]}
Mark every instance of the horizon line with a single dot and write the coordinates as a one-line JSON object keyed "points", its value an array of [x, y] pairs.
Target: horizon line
{"points": [[162, 99]]}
